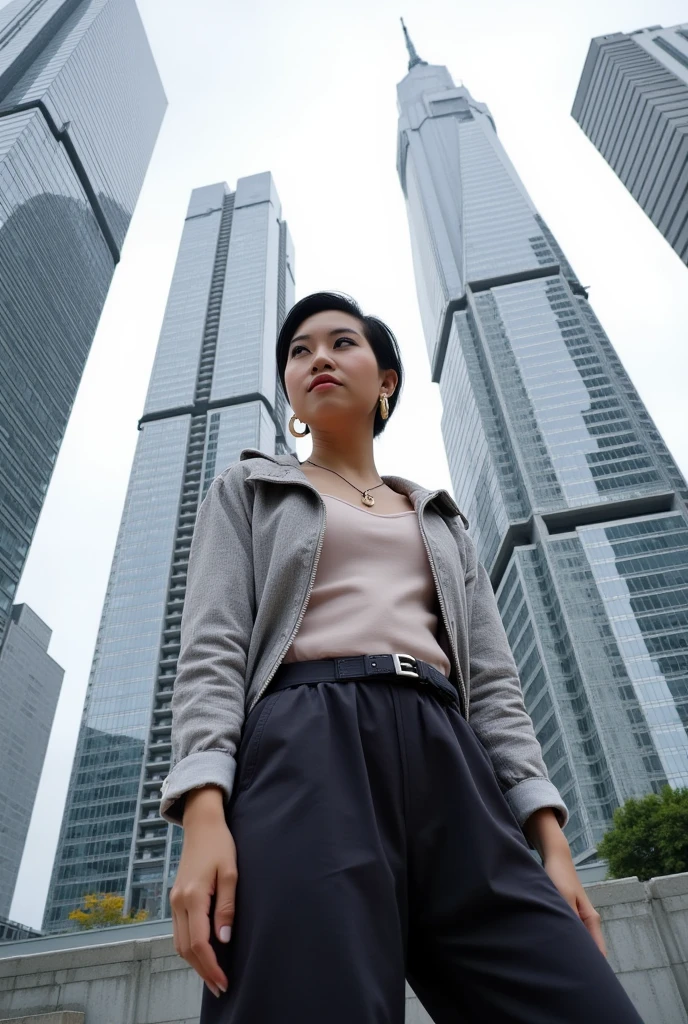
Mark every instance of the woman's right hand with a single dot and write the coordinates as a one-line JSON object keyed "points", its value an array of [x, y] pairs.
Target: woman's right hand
{"points": [[207, 866]]}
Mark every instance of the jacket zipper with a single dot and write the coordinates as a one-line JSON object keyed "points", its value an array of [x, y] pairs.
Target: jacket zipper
{"points": [[443, 607], [323, 525]]}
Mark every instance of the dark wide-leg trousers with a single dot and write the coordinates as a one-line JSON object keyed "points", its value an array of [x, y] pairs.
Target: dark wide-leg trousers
{"points": [[373, 845]]}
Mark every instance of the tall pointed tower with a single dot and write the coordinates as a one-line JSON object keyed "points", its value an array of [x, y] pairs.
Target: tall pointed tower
{"points": [[576, 506]]}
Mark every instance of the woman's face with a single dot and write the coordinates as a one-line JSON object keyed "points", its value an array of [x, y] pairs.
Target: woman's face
{"points": [[333, 343]]}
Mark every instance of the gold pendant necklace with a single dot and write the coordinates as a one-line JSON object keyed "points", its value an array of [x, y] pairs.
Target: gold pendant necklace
{"points": [[366, 496]]}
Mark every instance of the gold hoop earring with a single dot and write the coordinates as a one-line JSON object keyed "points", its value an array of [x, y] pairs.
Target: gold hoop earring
{"points": [[384, 406], [292, 429]]}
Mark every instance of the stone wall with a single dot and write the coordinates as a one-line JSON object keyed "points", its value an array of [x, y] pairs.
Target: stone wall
{"points": [[131, 975], [58, 1017], [646, 928]]}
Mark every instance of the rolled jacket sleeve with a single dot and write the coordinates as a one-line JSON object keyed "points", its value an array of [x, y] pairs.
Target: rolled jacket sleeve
{"points": [[208, 698], [497, 712]]}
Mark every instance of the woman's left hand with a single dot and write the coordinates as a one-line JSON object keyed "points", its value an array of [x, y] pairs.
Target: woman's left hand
{"points": [[561, 870]]}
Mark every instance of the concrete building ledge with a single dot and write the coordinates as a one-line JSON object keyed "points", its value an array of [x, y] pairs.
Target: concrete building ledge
{"points": [[622, 890], [59, 1017], [87, 957], [668, 885]]}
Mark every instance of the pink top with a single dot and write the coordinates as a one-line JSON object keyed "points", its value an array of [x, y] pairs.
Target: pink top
{"points": [[373, 591]]}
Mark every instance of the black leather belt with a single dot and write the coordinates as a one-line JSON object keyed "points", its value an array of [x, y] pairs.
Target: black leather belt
{"points": [[404, 667]]}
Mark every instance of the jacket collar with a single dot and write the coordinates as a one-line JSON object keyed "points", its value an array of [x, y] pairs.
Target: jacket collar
{"points": [[288, 466]]}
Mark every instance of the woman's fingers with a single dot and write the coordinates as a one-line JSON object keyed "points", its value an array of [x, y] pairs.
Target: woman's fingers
{"points": [[592, 921], [225, 895], [182, 944], [180, 924], [203, 952], [562, 872], [191, 939]]}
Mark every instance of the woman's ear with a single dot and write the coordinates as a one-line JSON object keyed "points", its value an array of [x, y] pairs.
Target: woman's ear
{"points": [[389, 382]]}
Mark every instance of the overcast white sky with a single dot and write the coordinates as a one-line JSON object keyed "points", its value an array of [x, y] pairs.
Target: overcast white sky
{"points": [[306, 90]]}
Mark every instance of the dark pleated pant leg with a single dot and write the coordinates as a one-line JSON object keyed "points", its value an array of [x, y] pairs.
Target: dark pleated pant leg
{"points": [[317, 817], [372, 837], [490, 937]]}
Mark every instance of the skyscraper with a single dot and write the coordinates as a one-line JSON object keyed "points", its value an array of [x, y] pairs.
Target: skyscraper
{"points": [[576, 506], [632, 103], [80, 107], [213, 391], [30, 683]]}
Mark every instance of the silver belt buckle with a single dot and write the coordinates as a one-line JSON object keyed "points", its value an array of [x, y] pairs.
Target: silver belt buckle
{"points": [[405, 665]]}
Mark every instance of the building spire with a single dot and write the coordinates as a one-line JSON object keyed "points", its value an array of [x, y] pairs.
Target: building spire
{"points": [[413, 56]]}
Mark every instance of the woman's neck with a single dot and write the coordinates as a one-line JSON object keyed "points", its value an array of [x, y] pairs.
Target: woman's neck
{"points": [[352, 457]]}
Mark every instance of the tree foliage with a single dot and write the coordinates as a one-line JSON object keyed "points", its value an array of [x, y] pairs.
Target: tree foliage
{"points": [[649, 836], [103, 909]]}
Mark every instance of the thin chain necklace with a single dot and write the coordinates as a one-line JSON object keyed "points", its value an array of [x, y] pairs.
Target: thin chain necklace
{"points": [[366, 496]]}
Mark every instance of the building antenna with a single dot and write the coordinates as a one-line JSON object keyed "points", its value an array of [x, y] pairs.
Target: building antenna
{"points": [[414, 59]]}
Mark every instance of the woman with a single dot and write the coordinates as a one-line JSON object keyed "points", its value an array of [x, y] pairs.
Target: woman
{"points": [[347, 712]]}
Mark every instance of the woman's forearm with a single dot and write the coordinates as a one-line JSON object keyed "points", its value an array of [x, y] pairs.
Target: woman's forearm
{"points": [[202, 805], [542, 830]]}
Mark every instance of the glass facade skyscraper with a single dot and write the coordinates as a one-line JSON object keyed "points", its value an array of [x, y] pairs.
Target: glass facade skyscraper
{"points": [[30, 682], [576, 506], [632, 103], [81, 104], [213, 391]]}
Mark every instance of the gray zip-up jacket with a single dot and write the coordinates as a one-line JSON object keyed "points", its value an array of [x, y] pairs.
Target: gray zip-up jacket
{"points": [[252, 564]]}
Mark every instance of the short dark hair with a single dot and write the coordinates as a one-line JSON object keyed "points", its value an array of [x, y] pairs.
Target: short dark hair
{"points": [[378, 335]]}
